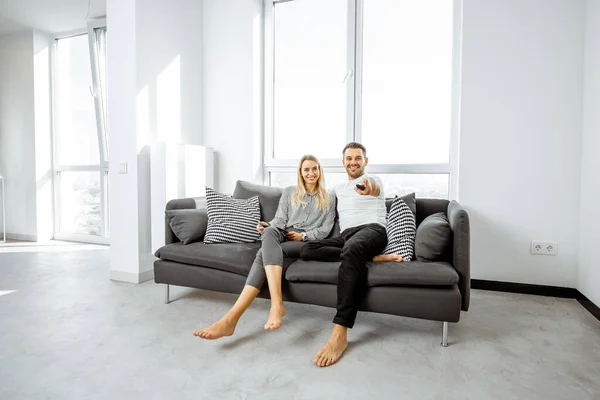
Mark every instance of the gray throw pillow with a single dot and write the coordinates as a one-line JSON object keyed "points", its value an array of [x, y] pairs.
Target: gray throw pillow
{"points": [[409, 199], [188, 225], [268, 197], [433, 238]]}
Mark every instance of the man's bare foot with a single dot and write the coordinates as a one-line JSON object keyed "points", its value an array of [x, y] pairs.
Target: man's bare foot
{"points": [[333, 350], [222, 327], [275, 318], [388, 258]]}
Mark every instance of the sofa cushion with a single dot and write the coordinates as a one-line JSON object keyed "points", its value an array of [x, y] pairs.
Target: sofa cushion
{"points": [[413, 273], [231, 220], [292, 249], [188, 225], [433, 238], [268, 197], [231, 257]]}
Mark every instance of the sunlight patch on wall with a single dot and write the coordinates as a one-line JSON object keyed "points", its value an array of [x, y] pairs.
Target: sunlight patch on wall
{"points": [[168, 103]]}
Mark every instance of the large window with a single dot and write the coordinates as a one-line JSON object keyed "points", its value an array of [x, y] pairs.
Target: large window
{"points": [[81, 151], [380, 72]]}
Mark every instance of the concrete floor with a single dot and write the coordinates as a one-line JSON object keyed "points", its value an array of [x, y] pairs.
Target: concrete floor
{"points": [[68, 332]]}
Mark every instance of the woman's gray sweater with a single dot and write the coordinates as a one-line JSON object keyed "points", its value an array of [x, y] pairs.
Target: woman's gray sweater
{"points": [[316, 223]]}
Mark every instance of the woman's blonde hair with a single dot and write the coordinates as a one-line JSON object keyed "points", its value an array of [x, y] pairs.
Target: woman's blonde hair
{"points": [[299, 197]]}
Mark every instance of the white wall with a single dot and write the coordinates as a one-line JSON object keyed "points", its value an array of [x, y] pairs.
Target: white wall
{"points": [[169, 100], [17, 134], [232, 89], [42, 44], [169, 70], [520, 137], [121, 105], [589, 230], [155, 94]]}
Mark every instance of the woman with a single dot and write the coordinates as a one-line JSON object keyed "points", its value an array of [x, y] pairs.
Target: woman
{"points": [[306, 212]]}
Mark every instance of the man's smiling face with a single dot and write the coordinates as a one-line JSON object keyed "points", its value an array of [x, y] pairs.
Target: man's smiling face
{"points": [[355, 162]]}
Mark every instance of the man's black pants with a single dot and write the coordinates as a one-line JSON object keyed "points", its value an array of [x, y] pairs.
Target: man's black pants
{"points": [[354, 247]]}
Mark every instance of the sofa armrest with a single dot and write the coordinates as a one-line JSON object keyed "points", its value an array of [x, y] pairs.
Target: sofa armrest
{"points": [[461, 248], [180, 204]]}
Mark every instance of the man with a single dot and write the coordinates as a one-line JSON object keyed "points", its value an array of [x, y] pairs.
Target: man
{"points": [[362, 215]]}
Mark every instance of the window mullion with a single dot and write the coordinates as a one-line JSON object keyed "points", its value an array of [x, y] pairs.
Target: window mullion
{"points": [[351, 71], [269, 83], [358, 71], [455, 104]]}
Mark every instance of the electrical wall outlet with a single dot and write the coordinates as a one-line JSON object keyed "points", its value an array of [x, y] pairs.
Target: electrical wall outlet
{"points": [[544, 248]]}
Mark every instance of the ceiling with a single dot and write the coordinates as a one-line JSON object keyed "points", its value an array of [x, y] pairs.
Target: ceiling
{"points": [[52, 16]]}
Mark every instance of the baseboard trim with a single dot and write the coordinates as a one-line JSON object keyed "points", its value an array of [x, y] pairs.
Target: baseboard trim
{"points": [[590, 306], [20, 237], [538, 290], [525, 288], [132, 277]]}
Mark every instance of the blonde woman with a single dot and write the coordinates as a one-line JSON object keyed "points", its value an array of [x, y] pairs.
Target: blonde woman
{"points": [[306, 212]]}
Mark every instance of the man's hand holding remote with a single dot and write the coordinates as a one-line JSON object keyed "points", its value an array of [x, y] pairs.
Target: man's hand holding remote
{"points": [[364, 188]]}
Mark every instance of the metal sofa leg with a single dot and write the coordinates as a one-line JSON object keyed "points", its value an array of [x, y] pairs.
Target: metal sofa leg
{"points": [[445, 335], [167, 300]]}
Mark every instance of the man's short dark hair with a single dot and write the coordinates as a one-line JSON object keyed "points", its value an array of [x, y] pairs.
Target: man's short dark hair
{"points": [[354, 145]]}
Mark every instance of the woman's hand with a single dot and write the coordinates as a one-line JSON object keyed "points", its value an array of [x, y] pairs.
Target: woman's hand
{"points": [[261, 227], [388, 258], [291, 236]]}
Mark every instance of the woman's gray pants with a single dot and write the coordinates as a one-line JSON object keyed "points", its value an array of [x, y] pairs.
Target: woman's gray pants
{"points": [[270, 253]]}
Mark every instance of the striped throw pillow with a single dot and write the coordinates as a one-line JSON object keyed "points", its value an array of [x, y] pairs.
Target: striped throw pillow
{"points": [[231, 220], [401, 230]]}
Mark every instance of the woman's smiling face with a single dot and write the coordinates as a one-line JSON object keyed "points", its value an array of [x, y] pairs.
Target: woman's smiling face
{"points": [[310, 172]]}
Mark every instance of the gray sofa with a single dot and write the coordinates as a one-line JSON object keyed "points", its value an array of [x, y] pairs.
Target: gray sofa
{"points": [[428, 290]]}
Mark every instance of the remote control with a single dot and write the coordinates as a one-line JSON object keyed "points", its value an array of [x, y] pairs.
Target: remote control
{"points": [[361, 187]]}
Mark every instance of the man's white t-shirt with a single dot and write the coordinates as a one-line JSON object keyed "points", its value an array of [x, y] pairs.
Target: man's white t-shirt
{"points": [[355, 209]]}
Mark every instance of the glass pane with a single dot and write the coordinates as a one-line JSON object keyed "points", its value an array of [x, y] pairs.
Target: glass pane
{"points": [[310, 94], [80, 202], [407, 80], [77, 131], [424, 185]]}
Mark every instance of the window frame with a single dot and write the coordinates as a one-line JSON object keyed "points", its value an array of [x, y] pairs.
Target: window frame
{"points": [[97, 89], [102, 167], [354, 101]]}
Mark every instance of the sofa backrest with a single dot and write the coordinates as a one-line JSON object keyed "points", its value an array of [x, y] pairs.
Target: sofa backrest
{"points": [[269, 201], [426, 207], [268, 197]]}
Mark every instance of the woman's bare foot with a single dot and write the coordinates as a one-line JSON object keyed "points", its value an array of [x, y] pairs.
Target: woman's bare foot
{"points": [[333, 350], [388, 258], [223, 327], [275, 318]]}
